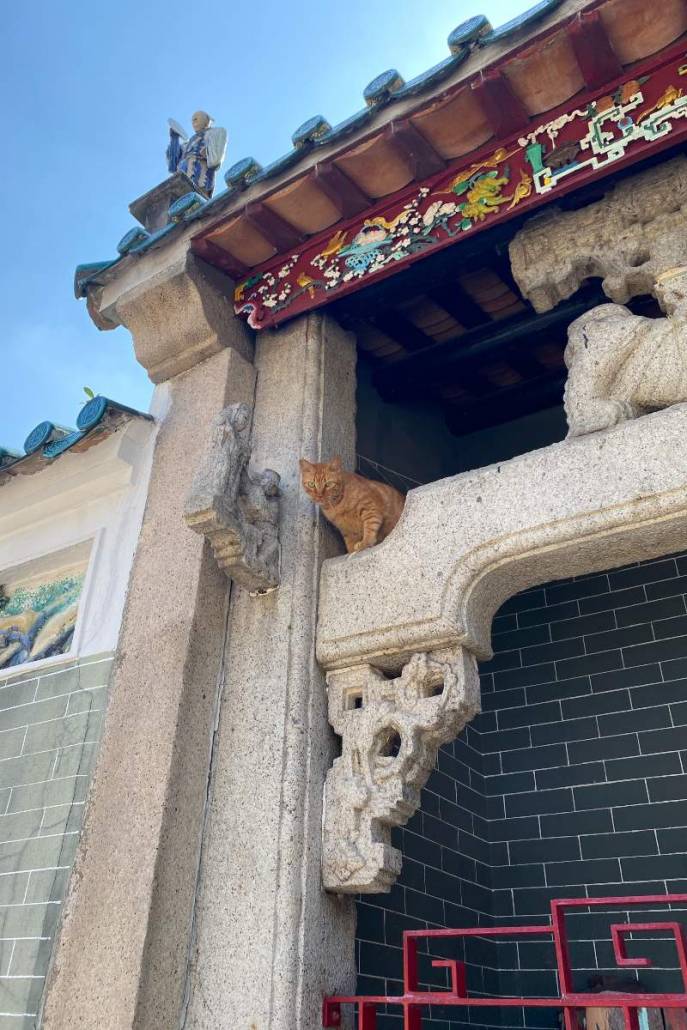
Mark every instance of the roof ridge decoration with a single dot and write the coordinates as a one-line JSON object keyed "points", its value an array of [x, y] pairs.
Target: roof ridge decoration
{"points": [[97, 419], [516, 76], [316, 131]]}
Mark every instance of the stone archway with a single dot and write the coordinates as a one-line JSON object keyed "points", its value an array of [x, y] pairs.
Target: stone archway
{"points": [[463, 546]]}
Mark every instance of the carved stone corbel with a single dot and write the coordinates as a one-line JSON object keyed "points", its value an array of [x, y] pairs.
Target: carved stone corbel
{"points": [[236, 510], [629, 238], [391, 730]]}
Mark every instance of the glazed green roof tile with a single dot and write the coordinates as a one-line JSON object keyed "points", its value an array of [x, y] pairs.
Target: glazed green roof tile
{"points": [[100, 417]]}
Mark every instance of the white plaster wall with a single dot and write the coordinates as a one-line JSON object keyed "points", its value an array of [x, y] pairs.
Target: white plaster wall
{"points": [[97, 498]]}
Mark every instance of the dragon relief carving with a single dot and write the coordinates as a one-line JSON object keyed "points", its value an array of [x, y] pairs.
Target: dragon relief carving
{"points": [[391, 730], [238, 511]]}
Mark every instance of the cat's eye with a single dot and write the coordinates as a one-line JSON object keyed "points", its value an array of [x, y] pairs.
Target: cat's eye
{"points": [[311, 484]]}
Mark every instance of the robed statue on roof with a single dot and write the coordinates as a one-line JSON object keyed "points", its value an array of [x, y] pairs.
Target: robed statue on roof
{"points": [[200, 155]]}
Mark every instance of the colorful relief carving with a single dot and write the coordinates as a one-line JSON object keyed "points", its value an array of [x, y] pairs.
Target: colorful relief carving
{"points": [[602, 132], [37, 620], [555, 156], [471, 197]]}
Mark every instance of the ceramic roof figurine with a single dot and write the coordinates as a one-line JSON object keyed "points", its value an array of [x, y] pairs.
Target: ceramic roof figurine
{"points": [[199, 156]]}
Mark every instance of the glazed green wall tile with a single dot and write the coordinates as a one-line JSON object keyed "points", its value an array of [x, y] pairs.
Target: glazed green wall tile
{"points": [[50, 726], [37, 853], [75, 729], [87, 700], [77, 760], [29, 920], [64, 791], [26, 769], [80, 678], [31, 958], [47, 885], [17, 694], [11, 742], [13, 887], [40, 711], [20, 825]]}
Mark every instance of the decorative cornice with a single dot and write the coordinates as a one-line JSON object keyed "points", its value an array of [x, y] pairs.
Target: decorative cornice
{"points": [[478, 93], [581, 142]]}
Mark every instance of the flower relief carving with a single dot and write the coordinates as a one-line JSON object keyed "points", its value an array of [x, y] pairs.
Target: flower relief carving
{"points": [[391, 730], [237, 510]]}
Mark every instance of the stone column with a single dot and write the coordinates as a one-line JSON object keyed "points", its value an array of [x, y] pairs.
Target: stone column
{"points": [[123, 952], [269, 941]]}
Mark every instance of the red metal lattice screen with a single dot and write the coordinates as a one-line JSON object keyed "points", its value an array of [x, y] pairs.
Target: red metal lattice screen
{"points": [[414, 1001]]}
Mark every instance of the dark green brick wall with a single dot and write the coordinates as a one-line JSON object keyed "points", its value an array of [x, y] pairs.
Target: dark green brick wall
{"points": [[50, 725]]}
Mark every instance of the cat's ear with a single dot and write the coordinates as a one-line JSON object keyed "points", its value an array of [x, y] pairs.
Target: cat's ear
{"points": [[335, 463], [305, 465]]}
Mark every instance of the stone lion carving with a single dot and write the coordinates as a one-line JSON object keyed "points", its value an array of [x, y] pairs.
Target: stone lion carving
{"points": [[391, 730], [621, 366], [237, 511]]}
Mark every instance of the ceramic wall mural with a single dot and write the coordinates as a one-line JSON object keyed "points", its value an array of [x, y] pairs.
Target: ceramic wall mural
{"points": [[37, 619]]}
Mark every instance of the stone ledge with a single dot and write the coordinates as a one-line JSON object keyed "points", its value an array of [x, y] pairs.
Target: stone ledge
{"points": [[466, 544]]}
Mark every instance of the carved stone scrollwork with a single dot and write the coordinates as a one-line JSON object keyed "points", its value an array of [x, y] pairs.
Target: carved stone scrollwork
{"points": [[391, 730], [236, 510]]}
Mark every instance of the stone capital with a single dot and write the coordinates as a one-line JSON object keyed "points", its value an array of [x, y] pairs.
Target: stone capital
{"points": [[179, 312]]}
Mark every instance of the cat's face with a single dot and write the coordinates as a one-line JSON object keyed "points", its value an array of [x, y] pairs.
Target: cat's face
{"points": [[322, 481]]}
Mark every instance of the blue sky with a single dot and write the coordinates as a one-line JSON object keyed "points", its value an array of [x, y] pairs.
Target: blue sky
{"points": [[88, 90]]}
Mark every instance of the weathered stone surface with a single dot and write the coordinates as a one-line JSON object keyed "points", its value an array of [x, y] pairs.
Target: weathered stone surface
{"points": [[622, 365], [466, 544], [121, 958], [269, 941], [391, 730], [236, 510], [629, 238], [177, 308]]}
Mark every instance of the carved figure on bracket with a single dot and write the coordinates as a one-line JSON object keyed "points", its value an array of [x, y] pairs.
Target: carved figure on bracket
{"points": [[621, 366], [391, 730], [237, 511]]}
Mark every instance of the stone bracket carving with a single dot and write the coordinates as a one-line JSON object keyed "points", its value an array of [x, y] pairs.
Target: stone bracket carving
{"points": [[391, 730], [629, 238], [238, 511]]}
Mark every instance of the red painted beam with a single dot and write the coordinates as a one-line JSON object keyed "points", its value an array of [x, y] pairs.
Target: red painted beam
{"points": [[414, 149], [345, 195], [504, 111], [593, 50], [276, 230]]}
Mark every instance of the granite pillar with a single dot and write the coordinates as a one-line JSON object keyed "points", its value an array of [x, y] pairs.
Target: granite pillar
{"points": [[122, 957], [269, 942]]}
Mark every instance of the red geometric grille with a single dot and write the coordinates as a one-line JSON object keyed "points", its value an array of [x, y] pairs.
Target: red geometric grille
{"points": [[414, 1001]]}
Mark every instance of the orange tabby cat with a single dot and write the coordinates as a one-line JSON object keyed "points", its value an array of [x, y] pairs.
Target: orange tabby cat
{"points": [[363, 510]]}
